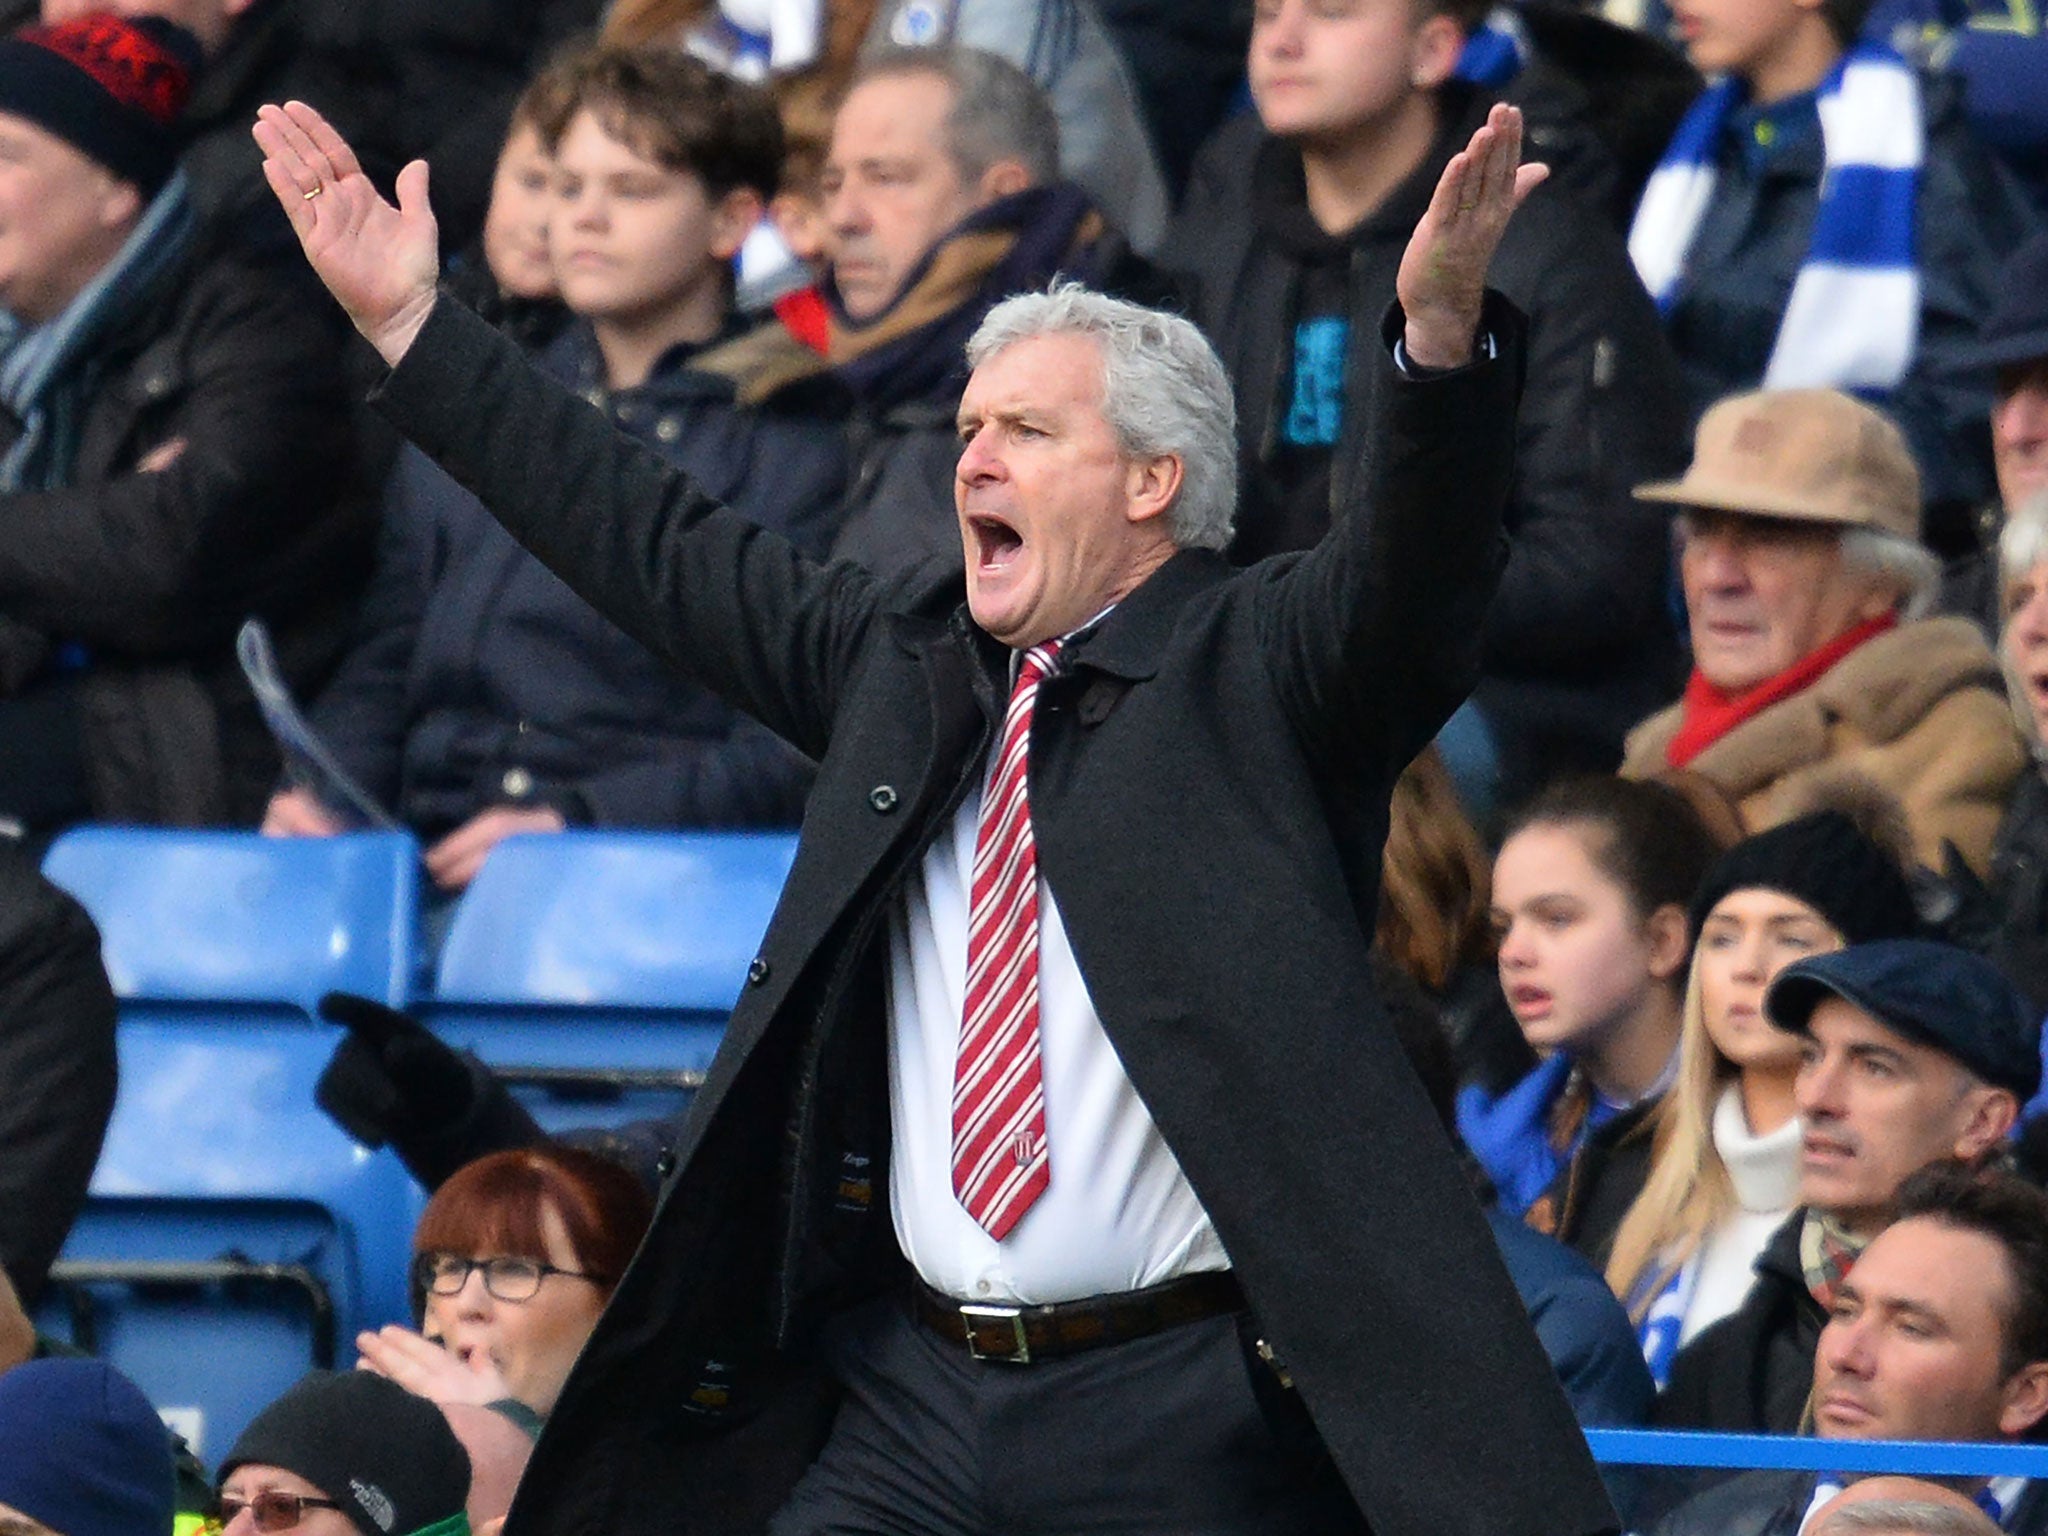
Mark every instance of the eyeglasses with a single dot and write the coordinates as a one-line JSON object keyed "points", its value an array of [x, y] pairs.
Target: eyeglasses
{"points": [[273, 1509], [445, 1274]]}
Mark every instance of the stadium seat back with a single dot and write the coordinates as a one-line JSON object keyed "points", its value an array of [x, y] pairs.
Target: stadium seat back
{"points": [[595, 970], [234, 1235]]}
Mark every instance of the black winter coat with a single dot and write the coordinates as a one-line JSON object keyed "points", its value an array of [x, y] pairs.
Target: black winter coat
{"points": [[2019, 887], [152, 572], [1209, 793], [1584, 1206], [1579, 643], [56, 1062], [479, 679], [1752, 1371]]}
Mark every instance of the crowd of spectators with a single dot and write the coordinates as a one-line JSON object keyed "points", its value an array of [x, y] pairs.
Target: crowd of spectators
{"points": [[1716, 921]]}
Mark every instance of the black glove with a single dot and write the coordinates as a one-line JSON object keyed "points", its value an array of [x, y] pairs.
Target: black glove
{"points": [[391, 1081]]}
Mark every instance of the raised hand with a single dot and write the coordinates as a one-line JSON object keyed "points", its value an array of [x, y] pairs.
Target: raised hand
{"points": [[381, 262], [427, 1370], [1442, 279]]}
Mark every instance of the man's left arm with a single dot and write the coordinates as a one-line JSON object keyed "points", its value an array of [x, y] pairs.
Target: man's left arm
{"points": [[1378, 628]]}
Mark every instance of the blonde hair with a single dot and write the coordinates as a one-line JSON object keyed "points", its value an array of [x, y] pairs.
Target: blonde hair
{"points": [[1688, 1192]]}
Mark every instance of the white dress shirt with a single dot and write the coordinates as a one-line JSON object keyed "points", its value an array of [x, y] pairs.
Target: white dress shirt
{"points": [[1119, 1213]]}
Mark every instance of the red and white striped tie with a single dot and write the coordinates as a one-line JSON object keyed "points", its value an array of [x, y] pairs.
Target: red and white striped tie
{"points": [[1001, 1162]]}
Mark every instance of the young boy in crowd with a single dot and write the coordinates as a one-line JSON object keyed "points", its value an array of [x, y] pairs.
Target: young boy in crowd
{"points": [[1293, 229], [1823, 217], [485, 699]]}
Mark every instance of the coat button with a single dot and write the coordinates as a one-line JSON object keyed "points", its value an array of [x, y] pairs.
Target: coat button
{"points": [[757, 971], [518, 783], [883, 798], [668, 429]]}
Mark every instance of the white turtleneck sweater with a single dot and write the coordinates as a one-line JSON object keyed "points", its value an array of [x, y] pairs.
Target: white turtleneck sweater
{"points": [[1765, 1173]]}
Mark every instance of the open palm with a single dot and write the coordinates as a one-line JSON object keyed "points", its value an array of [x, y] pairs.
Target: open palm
{"points": [[381, 262], [1442, 278]]}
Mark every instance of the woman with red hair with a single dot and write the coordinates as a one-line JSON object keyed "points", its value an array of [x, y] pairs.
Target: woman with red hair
{"points": [[514, 1258]]}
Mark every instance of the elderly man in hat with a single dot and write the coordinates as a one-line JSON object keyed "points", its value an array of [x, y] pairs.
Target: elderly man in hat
{"points": [[1805, 581], [1913, 1053]]}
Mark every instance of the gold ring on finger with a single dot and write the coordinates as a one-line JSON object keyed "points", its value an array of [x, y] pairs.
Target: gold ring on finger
{"points": [[318, 188]]}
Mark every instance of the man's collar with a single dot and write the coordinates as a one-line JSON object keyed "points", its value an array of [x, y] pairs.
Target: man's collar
{"points": [[1127, 642]]}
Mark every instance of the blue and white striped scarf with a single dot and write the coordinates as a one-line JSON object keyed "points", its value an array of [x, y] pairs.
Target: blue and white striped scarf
{"points": [[46, 371], [1854, 316], [1665, 1319]]}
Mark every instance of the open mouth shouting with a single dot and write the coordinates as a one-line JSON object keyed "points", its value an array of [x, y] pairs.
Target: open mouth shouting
{"points": [[995, 543]]}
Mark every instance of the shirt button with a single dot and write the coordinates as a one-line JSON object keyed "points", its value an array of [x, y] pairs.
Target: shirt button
{"points": [[981, 1287], [757, 971], [518, 783], [883, 798]]}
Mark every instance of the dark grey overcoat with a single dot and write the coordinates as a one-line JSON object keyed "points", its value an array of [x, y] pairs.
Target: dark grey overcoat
{"points": [[1209, 785]]}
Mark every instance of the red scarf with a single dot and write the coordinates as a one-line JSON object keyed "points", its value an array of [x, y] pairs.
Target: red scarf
{"points": [[803, 311], [1707, 713]]}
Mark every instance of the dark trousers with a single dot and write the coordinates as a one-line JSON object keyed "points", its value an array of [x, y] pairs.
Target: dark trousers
{"points": [[1182, 1433]]}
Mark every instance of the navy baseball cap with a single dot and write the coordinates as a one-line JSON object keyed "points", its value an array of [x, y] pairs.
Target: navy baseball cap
{"points": [[1935, 994]]}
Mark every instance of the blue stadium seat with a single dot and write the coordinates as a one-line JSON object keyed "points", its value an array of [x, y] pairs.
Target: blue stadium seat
{"points": [[595, 970], [235, 1236]]}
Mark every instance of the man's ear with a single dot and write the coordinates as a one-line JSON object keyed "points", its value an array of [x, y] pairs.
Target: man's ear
{"points": [[2025, 1403], [1989, 1115], [733, 218], [1005, 178], [121, 202], [1434, 51], [1151, 486]]}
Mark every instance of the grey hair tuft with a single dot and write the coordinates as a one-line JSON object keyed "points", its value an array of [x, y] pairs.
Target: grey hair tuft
{"points": [[998, 113], [1164, 392], [1905, 1517], [1906, 563], [2023, 542]]}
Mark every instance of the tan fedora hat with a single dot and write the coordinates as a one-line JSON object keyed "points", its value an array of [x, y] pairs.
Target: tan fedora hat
{"points": [[1812, 455]]}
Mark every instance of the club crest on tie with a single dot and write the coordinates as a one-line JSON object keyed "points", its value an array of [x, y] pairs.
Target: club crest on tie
{"points": [[1024, 1147]]}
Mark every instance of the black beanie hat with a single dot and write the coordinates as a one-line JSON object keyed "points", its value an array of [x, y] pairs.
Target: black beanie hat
{"points": [[111, 88], [387, 1456], [1826, 861]]}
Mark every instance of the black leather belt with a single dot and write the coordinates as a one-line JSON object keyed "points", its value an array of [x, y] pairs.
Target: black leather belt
{"points": [[1018, 1335]]}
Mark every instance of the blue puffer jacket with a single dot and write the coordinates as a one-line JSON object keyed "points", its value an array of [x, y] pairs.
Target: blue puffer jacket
{"points": [[479, 679]]}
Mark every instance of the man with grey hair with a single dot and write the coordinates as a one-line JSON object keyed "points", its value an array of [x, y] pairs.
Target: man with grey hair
{"points": [[941, 195], [1900, 1506], [1059, 1170], [1805, 585]]}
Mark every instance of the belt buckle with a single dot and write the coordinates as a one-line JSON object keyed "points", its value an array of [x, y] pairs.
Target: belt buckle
{"points": [[972, 1315]]}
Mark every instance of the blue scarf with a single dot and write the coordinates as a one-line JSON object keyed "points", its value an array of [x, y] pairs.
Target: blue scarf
{"points": [[1496, 49], [1853, 319], [47, 372]]}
